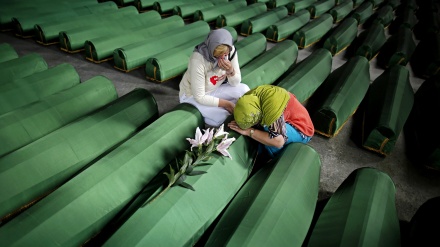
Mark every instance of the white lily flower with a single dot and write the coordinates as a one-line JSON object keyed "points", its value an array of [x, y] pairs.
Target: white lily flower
{"points": [[223, 146], [199, 139], [220, 132]]}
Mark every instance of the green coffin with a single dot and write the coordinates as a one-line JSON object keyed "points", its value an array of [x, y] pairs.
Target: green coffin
{"points": [[371, 41], [377, 3], [73, 40], [284, 28], [101, 49], [357, 3], [297, 5], [269, 66], [425, 60], [313, 31], [340, 95], [389, 103], [35, 87], [47, 163], [166, 7], [341, 36], [210, 14], [407, 19], [7, 52], [30, 122], [11, 9], [384, 15], [250, 47], [271, 4], [398, 49], [421, 230], [361, 212], [48, 32], [24, 25], [173, 62], [135, 55], [238, 16], [80, 208], [306, 77], [184, 215], [144, 5], [422, 148], [320, 7], [21, 67], [340, 11], [261, 22], [363, 12], [394, 3], [275, 207], [186, 11]]}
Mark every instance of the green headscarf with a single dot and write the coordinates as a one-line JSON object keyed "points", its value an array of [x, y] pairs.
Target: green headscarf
{"points": [[263, 105]]}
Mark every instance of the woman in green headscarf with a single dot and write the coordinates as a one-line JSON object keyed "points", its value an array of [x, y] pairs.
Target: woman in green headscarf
{"points": [[272, 116]]}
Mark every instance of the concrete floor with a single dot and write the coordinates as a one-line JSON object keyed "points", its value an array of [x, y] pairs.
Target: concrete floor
{"points": [[339, 154]]}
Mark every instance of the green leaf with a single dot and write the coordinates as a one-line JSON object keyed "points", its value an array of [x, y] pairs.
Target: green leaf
{"points": [[170, 175], [186, 185], [194, 172]]}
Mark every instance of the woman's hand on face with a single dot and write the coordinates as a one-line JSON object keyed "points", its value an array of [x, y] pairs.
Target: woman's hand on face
{"points": [[234, 126], [226, 65]]}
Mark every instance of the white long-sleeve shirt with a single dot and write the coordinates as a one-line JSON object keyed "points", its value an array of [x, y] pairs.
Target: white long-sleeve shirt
{"points": [[200, 78]]}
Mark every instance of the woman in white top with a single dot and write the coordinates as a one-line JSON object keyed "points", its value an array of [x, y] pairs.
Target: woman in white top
{"points": [[212, 81]]}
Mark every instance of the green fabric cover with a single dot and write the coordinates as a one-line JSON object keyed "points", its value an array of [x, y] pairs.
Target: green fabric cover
{"points": [[165, 7], [173, 62], [21, 66], [363, 12], [122, 3], [101, 49], [238, 16], [210, 14], [259, 23], [144, 5], [269, 66], [30, 122], [377, 3], [90, 200], [394, 3], [52, 160], [34, 87], [399, 48], [389, 103], [306, 77], [275, 206], [7, 52], [371, 40], [425, 60], [341, 36], [421, 128], [357, 3], [187, 11], [361, 212], [313, 31], [384, 15], [297, 5], [424, 224], [73, 40], [407, 19], [24, 25], [42, 7], [250, 47], [285, 27], [339, 96], [48, 32], [135, 55], [340, 11], [271, 4], [320, 7], [185, 214]]}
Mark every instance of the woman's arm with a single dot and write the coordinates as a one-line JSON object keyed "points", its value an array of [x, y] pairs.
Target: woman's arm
{"points": [[259, 135]]}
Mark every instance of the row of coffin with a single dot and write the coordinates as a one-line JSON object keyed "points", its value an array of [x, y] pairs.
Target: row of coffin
{"points": [[96, 159], [163, 45]]}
